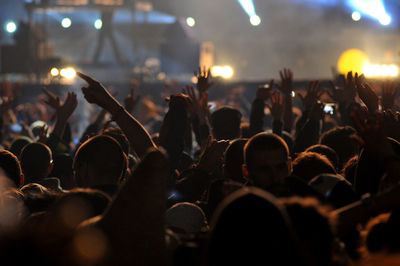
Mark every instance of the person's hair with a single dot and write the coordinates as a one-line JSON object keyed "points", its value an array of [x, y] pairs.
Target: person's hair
{"points": [[327, 151], [339, 139], [18, 144], [63, 170], [251, 227], [312, 223], [119, 136], [233, 160], [35, 160], [11, 167], [104, 156], [349, 169], [225, 123], [307, 165], [263, 142]]}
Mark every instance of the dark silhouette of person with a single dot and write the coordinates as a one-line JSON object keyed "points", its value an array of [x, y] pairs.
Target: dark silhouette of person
{"points": [[105, 32]]}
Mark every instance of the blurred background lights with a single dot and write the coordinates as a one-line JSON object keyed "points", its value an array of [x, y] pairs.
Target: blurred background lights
{"points": [[255, 20], [66, 22], [54, 71], [11, 27], [352, 60], [380, 71], [68, 73], [98, 24], [225, 72], [190, 21], [356, 16], [385, 20]]}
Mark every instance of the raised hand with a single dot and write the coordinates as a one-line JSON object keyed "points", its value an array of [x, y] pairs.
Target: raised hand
{"points": [[96, 93], [312, 95], [366, 94], [204, 79], [43, 134], [389, 91], [198, 104], [52, 100], [286, 85], [277, 105], [132, 98], [372, 136], [264, 92], [212, 155], [69, 106]]}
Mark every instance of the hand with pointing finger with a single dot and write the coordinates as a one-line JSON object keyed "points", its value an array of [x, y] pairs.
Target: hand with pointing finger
{"points": [[97, 94]]}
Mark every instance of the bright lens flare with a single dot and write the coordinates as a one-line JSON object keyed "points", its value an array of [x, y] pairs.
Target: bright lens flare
{"points": [[356, 16], [352, 60], [98, 24], [66, 23], [255, 20], [381, 71], [54, 72], [11, 27], [190, 22], [225, 72], [68, 73]]}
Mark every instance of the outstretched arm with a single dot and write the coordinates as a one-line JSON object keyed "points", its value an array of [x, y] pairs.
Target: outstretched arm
{"points": [[137, 135]]}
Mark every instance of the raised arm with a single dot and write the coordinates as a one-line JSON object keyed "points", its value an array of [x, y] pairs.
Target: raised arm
{"points": [[137, 135]]}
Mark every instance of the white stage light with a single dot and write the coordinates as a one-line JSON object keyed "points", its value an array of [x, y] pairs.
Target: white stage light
{"points": [[54, 72], [385, 20], [356, 16], [255, 20], [11, 27], [190, 21], [68, 73], [66, 23], [98, 24]]}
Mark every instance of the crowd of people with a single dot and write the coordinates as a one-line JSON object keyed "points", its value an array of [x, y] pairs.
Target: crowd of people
{"points": [[198, 186]]}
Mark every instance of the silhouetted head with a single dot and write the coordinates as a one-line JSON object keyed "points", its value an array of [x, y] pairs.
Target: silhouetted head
{"points": [[233, 160], [18, 144], [339, 139], [225, 123], [251, 228], [11, 167], [266, 160], [36, 161], [310, 164], [99, 161], [327, 151]]}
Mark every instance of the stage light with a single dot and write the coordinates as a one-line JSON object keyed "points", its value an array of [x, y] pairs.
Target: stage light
{"points": [[11, 27], [68, 73], [372, 8], [385, 20], [66, 23], [248, 7], [98, 24], [255, 20], [380, 71], [225, 72], [352, 60], [54, 72], [356, 16], [190, 21]]}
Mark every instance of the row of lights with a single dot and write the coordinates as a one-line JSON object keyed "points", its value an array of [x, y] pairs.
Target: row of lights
{"points": [[68, 72]]}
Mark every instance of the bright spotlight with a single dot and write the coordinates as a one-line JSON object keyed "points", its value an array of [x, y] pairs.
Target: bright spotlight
{"points": [[352, 60], [248, 7], [225, 72], [54, 72], [98, 24], [190, 21], [66, 23], [356, 16], [385, 20], [11, 27], [255, 20], [68, 73], [380, 71]]}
